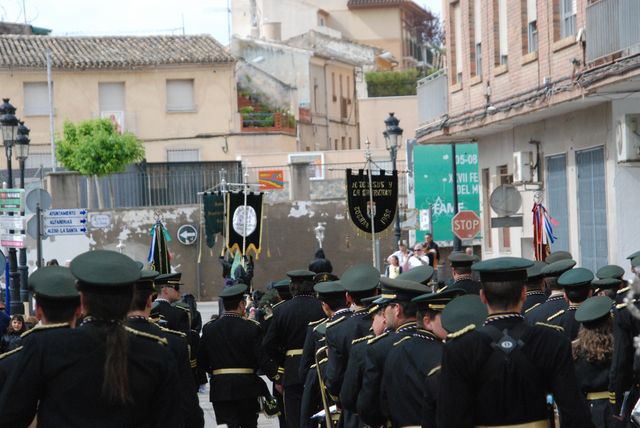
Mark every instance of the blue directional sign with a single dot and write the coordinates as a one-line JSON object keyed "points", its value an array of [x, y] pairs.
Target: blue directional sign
{"points": [[71, 221]]}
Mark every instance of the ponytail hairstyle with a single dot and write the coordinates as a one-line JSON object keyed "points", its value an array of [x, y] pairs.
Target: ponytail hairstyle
{"points": [[109, 311]]}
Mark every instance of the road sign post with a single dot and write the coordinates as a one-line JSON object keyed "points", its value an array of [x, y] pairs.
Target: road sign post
{"points": [[465, 225]]}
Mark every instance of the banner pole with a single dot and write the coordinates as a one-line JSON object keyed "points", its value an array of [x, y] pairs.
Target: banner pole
{"points": [[372, 216], [244, 223]]}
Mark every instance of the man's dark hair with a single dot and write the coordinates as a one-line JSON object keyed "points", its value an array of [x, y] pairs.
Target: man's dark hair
{"points": [[301, 287], [462, 270], [423, 313], [139, 300], [231, 304], [409, 308], [58, 310], [503, 295], [535, 284], [551, 282], [335, 301], [357, 296], [577, 294]]}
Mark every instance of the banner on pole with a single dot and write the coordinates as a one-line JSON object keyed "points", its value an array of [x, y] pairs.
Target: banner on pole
{"points": [[385, 200], [244, 222], [213, 216]]}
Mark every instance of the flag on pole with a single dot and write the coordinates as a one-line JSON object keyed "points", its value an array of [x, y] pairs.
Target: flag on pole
{"points": [[159, 257]]}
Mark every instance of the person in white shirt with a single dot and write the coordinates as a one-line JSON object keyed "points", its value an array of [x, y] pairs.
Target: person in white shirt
{"points": [[419, 258], [403, 255]]}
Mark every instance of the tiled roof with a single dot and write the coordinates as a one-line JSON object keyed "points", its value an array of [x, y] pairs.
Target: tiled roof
{"points": [[372, 3], [18, 51]]}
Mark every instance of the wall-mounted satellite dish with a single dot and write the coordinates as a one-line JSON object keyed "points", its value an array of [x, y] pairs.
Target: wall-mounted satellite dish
{"points": [[505, 200]]}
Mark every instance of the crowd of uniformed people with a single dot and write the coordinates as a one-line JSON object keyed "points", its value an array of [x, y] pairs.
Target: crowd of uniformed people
{"points": [[527, 345]]}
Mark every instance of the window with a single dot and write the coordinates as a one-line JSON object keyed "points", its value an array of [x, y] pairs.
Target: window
{"points": [[592, 208], [39, 160], [503, 32], [348, 89], [457, 41], [532, 26], [180, 95], [477, 36], [567, 18], [111, 100], [36, 99], [505, 233], [343, 143], [333, 87], [557, 196], [183, 155], [350, 147]]}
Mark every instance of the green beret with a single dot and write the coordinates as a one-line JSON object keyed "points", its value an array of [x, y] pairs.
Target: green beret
{"points": [[558, 255], [460, 259], [146, 280], [610, 271], [634, 255], [503, 269], [462, 312], [438, 300], [558, 268], [233, 291], [172, 279], [534, 273], [606, 284], [104, 269], [329, 287], [578, 277], [421, 274], [635, 262], [53, 282], [361, 277], [398, 290], [324, 277], [301, 275], [283, 283], [594, 308]]}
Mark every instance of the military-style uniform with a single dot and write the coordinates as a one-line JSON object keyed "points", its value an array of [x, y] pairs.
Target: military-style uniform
{"points": [[464, 281], [60, 374], [490, 375], [353, 374], [231, 351], [535, 294], [574, 279], [285, 339], [311, 401], [555, 302], [191, 411], [566, 318], [409, 362], [173, 317]]}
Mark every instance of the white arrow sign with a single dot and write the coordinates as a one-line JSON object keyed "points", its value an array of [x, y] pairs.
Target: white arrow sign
{"points": [[71, 212], [65, 221], [187, 234], [65, 230]]}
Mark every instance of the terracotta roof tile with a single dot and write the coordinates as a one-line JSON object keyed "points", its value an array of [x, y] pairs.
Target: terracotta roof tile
{"points": [[18, 51]]}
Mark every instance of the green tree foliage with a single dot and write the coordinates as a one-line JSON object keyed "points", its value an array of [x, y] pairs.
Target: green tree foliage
{"points": [[392, 83], [94, 147]]}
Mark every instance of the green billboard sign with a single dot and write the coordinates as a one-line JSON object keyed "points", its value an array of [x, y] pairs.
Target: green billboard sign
{"points": [[433, 178]]}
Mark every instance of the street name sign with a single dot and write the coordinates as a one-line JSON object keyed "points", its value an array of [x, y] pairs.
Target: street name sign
{"points": [[72, 221]]}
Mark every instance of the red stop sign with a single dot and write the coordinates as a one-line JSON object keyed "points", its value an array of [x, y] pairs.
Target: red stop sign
{"points": [[465, 224]]}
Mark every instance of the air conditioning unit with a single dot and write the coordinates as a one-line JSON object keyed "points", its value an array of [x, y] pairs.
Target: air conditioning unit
{"points": [[522, 162], [628, 138]]}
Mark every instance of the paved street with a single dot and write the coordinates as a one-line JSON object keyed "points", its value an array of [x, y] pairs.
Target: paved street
{"points": [[206, 310]]}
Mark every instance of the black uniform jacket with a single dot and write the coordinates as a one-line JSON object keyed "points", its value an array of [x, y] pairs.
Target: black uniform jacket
{"points": [[468, 285], [622, 375], [285, 338], [234, 342], [60, 374], [405, 372], [534, 297], [185, 391], [550, 307], [175, 318], [479, 387], [566, 320], [377, 352], [339, 338]]}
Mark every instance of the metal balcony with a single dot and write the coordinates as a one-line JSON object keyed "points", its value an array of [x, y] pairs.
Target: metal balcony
{"points": [[612, 28]]}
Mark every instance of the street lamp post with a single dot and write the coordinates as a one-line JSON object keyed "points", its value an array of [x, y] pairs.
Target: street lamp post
{"points": [[393, 141], [22, 153], [9, 124]]}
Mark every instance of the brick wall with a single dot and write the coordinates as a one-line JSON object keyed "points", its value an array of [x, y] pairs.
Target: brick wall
{"points": [[523, 71]]}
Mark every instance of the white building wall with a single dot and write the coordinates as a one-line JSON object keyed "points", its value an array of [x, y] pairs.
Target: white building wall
{"points": [[566, 133]]}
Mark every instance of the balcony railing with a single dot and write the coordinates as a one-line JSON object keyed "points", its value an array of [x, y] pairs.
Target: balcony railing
{"points": [[432, 97], [612, 28], [268, 122]]}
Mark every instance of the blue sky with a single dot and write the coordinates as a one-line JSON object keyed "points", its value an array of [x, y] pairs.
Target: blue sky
{"points": [[130, 17]]}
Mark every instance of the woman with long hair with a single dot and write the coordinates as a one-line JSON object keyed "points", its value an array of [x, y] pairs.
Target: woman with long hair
{"points": [[101, 374], [12, 337], [592, 352]]}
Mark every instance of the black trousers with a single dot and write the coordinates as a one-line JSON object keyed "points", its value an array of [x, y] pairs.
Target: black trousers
{"points": [[238, 413], [292, 402]]}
